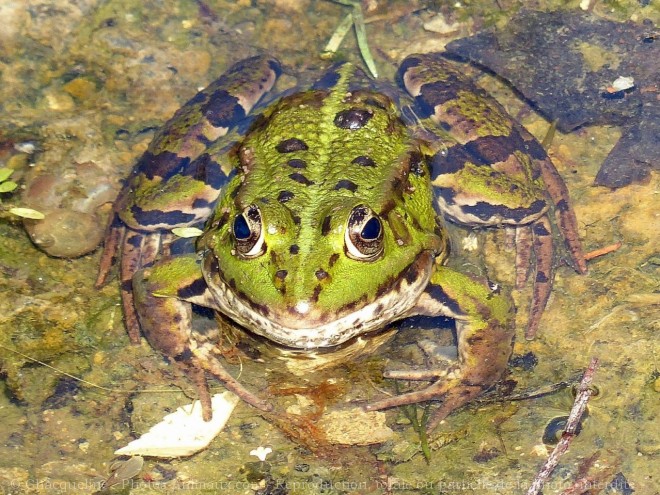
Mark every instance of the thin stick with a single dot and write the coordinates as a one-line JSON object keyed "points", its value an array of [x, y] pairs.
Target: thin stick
{"points": [[580, 404], [602, 251]]}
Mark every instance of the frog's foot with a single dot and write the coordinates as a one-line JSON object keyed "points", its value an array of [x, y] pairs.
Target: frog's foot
{"points": [[197, 366], [138, 250], [204, 360], [452, 389]]}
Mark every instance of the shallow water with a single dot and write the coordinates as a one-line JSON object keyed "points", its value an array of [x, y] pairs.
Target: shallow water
{"points": [[88, 81]]}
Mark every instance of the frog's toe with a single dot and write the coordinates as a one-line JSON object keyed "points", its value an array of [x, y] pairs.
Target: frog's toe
{"points": [[543, 251], [454, 393], [523, 244]]}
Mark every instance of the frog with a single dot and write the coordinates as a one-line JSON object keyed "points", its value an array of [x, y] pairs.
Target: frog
{"points": [[323, 214]]}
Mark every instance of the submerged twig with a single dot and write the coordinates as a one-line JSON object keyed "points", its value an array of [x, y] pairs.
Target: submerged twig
{"points": [[602, 251], [580, 404]]}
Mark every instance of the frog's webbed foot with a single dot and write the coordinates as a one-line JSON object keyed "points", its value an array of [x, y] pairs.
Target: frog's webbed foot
{"points": [[453, 390], [204, 360], [484, 329]]}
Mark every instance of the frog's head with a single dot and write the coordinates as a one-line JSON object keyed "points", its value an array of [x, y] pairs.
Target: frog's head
{"points": [[328, 234], [318, 277]]}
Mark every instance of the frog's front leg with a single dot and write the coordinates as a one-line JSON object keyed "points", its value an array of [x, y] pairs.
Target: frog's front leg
{"points": [[485, 327], [163, 295]]}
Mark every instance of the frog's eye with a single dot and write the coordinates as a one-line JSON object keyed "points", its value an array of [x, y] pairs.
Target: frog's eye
{"points": [[248, 233], [364, 234]]}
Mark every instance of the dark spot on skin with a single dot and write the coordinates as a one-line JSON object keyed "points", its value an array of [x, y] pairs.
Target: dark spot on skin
{"points": [[135, 240], [353, 118], [411, 276], [259, 308], [274, 258], [185, 356], [417, 163], [321, 274], [156, 217], [232, 283], [562, 205], [297, 163], [346, 184], [214, 266], [281, 274], [316, 293], [438, 294], [326, 225], [205, 169], [222, 109], [541, 277], [436, 93], [301, 179], [291, 145], [200, 203], [329, 79], [540, 230], [275, 67], [165, 165], [333, 259], [364, 161], [285, 196], [379, 309], [196, 288], [294, 249], [474, 339], [295, 219]]}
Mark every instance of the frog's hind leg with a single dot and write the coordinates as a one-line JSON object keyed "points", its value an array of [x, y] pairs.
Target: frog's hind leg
{"points": [[564, 214], [140, 250]]}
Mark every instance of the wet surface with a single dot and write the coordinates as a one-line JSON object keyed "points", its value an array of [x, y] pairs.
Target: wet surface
{"points": [[564, 63], [87, 82]]}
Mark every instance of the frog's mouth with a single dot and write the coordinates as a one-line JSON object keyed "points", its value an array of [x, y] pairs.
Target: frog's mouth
{"points": [[307, 327]]}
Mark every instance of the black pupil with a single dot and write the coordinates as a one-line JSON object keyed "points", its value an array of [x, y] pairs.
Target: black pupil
{"points": [[241, 228], [371, 229]]}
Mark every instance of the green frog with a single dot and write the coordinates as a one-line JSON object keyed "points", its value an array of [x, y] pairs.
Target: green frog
{"points": [[323, 219]]}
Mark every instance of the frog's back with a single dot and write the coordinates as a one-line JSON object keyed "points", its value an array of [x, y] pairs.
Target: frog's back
{"points": [[331, 142]]}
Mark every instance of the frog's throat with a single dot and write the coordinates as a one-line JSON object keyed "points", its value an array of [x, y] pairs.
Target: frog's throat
{"points": [[316, 329]]}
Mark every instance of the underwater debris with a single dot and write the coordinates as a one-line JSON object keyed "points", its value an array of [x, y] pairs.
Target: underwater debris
{"points": [[184, 432]]}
